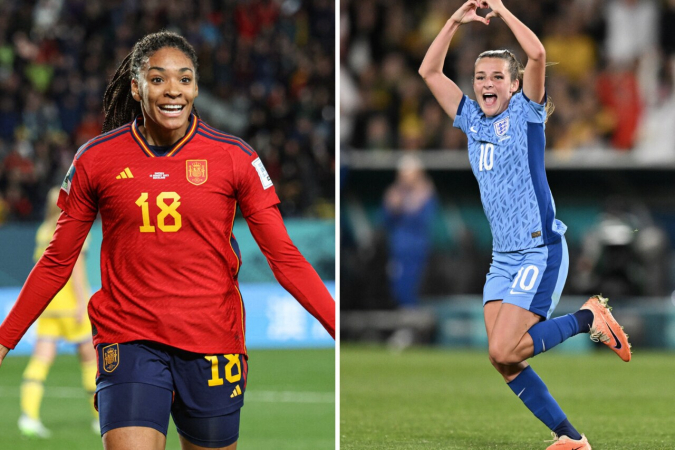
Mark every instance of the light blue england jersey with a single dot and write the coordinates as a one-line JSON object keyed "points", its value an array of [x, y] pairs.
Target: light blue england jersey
{"points": [[507, 159]]}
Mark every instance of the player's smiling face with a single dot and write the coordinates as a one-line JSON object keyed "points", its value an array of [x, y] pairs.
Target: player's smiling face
{"points": [[166, 88], [493, 85]]}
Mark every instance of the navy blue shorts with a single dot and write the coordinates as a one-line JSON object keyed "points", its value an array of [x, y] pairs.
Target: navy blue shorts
{"points": [[140, 383]]}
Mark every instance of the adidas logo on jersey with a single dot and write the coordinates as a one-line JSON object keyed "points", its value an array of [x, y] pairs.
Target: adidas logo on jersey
{"points": [[126, 173], [236, 392]]}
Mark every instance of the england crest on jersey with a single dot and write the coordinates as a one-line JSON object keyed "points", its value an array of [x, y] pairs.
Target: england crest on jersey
{"points": [[502, 126]]}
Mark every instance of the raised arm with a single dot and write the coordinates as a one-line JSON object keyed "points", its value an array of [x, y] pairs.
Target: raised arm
{"points": [[535, 69], [290, 268], [444, 89], [46, 279]]}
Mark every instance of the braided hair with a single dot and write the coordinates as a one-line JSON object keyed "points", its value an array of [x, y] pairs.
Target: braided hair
{"points": [[119, 107], [516, 70]]}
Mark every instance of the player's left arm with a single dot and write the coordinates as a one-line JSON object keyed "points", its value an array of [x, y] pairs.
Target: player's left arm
{"points": [[290, 268], [535, 69]]}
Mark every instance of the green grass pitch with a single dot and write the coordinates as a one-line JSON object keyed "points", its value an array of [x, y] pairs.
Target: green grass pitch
{"points": [[290, 404], [447, 399]]}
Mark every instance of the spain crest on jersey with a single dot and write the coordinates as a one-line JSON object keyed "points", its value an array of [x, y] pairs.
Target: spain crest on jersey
{"points": [[111, 357], [196, 171], [502, 126]]}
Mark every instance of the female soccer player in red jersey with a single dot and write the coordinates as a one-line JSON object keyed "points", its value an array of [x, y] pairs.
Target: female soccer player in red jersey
{"points": [[505, 130], [169, 322]]}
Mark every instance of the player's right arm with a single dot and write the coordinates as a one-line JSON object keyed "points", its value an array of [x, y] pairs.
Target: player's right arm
{"points": [[257, 201], [46, 279], [447, 93]]}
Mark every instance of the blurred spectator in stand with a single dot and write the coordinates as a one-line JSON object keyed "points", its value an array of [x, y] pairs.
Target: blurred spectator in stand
{"points": [[10, 119], [378, 134], [619, 92], [641, 18], [656, 142], [411, 133], [568, 47], [409, 208], [435, 122], [579, 122], [632, 65]]}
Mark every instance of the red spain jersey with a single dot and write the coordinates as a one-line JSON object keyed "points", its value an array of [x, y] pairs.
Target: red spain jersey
{"points": [[169, 260]]}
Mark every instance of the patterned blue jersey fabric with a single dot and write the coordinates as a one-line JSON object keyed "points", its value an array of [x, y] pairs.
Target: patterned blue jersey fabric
{"points": [[507, 158]]}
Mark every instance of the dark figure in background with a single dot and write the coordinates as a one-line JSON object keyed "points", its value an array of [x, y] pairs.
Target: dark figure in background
{"points": [[625, 254], [409, 208]]}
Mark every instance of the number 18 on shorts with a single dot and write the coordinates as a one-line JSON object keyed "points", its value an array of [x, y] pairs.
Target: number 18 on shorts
{"points": [[142, 383]]}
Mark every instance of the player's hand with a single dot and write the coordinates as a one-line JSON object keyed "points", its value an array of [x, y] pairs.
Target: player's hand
{"points": [[3, 352], [467, 12], [496, 6]]}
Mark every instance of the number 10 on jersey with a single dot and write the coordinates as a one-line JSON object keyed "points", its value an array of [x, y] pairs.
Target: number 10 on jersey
{"points": [[487, 156]]}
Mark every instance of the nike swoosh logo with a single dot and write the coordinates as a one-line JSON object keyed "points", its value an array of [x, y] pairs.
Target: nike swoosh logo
{"points": [[504, 138], [543, 346], [576, 448], [616, 339], [473, 129], [521, 392]]}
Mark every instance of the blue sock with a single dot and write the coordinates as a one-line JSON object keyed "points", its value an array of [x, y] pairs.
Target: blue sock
{"points": [[549, 333], [584, 319], [534, 393], [566, 429]]}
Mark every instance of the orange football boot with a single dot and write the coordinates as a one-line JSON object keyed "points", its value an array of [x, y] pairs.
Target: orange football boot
{"points": [[606, 329], [565, 443]]}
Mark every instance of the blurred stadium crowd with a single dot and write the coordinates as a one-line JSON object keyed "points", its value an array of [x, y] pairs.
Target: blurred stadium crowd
{"points": [[266, 74], [612, 84]]}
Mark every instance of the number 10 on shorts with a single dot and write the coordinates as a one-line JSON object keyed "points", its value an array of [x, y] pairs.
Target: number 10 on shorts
{"points": [[231, 375], [527, 276]]}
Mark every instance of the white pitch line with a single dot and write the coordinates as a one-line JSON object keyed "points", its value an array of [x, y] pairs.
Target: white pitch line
{"points": [[252, 396]]}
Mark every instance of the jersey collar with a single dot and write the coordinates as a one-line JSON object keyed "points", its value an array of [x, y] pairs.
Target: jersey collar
{"points": [[175, 148]]}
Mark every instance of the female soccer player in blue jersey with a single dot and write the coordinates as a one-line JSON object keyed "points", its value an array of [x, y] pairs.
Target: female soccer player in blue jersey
{"points": [[505, 130]]}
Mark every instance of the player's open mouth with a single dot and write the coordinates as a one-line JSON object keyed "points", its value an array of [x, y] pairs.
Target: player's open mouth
{"points": [[489, 99], [171, 110]]}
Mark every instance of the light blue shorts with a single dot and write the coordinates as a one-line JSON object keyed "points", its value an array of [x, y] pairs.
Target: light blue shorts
{"points": [[532, 279]]}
